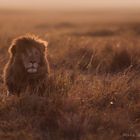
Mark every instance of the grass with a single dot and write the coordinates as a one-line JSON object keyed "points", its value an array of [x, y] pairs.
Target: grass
{"points": [[93, 92]]}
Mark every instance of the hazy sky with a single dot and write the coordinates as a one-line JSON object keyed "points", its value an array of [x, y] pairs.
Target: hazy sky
{"points": [[69, 4]]}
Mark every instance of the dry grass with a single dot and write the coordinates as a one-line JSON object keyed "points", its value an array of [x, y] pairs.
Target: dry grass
{"points": [[93, 92]]}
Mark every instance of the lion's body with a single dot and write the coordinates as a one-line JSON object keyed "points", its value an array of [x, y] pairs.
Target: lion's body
{"points": [[28, 66]]}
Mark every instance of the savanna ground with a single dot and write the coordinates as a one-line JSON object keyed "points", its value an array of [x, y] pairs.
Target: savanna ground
{"points": [[94, 91]]}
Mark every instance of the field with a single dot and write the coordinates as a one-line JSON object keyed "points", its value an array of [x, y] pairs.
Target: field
{"points": [[94, 91]]}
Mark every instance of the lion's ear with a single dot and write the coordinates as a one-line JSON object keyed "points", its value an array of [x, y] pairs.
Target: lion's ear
{"points": [[12, 49]]}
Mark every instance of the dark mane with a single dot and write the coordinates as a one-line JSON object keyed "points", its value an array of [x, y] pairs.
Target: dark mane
{"points": [[14, 72]]}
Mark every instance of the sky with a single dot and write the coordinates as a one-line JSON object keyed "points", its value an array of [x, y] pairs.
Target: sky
{"points": [[69, 4]]}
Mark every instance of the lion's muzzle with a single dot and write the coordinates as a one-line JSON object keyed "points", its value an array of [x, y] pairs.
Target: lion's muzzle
{"points": [[32, 67]]}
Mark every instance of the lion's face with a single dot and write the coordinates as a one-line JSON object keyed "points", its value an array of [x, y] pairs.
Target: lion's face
{"points": [[28, 54], [31, 59]]}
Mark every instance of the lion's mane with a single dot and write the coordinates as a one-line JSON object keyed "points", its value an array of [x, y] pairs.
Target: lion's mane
{"points": [[15, 77]]}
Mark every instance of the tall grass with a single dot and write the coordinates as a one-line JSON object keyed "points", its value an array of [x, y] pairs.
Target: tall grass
{"points": [[93, 91]]}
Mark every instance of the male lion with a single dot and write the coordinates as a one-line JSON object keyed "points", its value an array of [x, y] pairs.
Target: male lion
{"points": [[28, 67]]}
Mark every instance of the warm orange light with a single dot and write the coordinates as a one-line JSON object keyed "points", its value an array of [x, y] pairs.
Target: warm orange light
{"points": [[71, 5]]}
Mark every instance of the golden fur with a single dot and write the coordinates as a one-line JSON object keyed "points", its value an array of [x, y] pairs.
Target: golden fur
{"points": [[28, 66]]}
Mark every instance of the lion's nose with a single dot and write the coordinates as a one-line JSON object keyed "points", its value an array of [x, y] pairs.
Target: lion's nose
{"points": [[32, 61]]}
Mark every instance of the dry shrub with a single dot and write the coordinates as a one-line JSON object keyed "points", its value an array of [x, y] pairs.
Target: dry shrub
{"points": [[108, 58], [121, 60]]}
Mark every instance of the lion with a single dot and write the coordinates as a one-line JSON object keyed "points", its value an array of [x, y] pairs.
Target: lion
{"points": [[28, 66]]}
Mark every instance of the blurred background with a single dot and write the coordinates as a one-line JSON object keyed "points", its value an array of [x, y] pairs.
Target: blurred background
{"points": [[65, 5], [68, 17], [106, 9]]}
